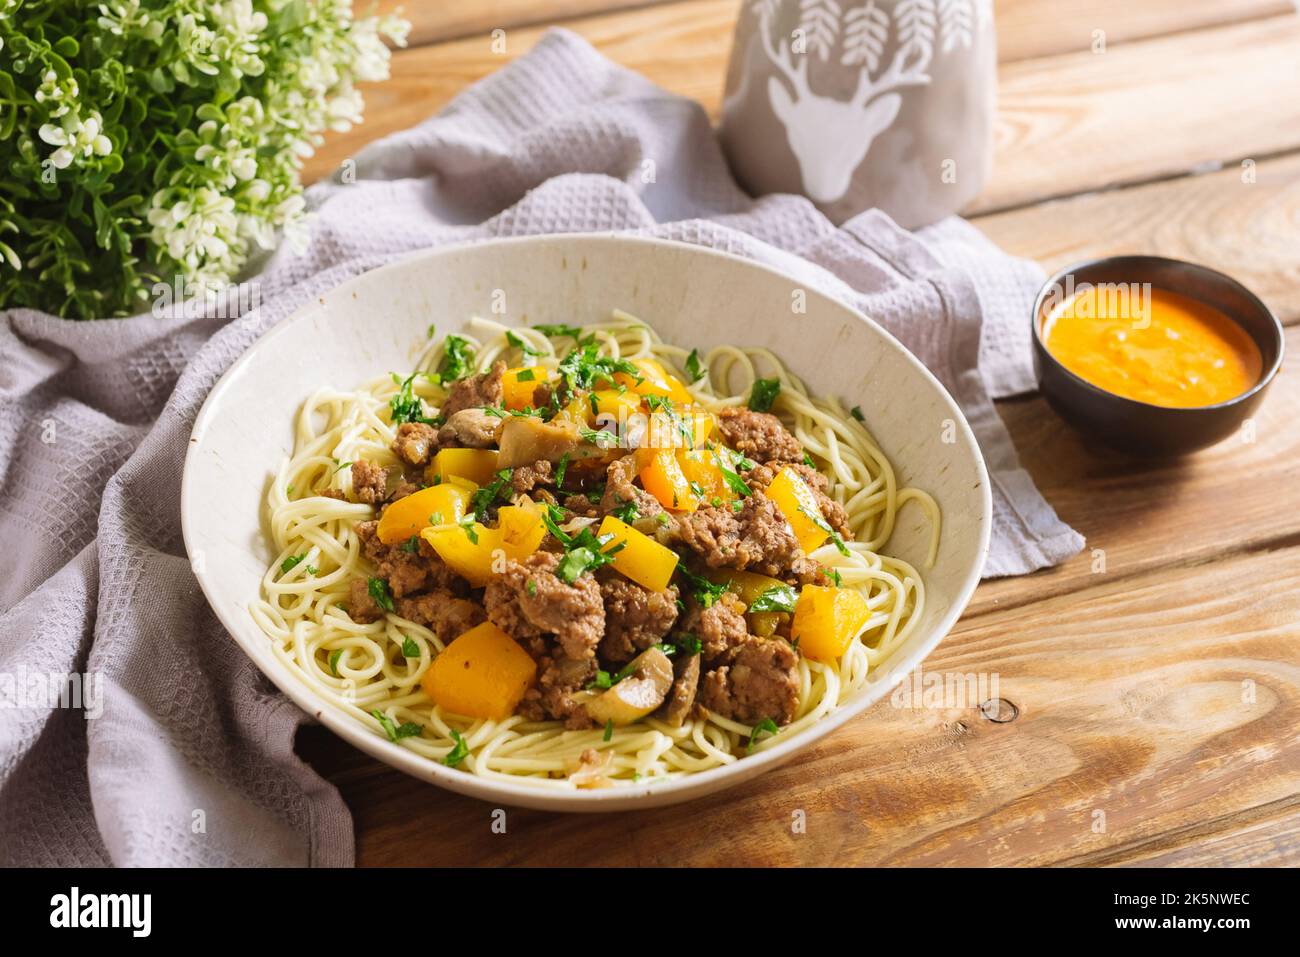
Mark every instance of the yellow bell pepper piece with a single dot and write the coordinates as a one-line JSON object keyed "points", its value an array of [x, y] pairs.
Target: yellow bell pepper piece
{"points": [[791, 494], [641, 558], [701, 467], [662, 476], [655, 380], [747, 586], [482, 674], [473, 551], [612, 402], [517, 385], [521, 529], [477, 465], [827, 619], [413, 513]]}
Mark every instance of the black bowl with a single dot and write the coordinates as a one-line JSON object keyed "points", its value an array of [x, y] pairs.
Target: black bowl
{"points": [[1140, 428]]}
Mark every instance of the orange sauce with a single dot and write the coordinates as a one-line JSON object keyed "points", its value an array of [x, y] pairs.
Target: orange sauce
{"points": [[1154, 346]]}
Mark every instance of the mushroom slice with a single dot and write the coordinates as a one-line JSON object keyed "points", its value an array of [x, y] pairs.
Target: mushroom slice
{"points": [[650, 677]]}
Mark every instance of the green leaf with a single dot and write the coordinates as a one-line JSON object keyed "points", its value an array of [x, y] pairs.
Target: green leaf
{"points": [[776, 598], [395, 732], [763, 394]]}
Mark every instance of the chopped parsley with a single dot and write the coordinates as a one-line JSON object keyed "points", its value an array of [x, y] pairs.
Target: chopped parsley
{"points": [[515, 340], [380, 594], [766, 726], [583, 552], [763, 394], [601, 682], [856, 412], [525, 375], [409, 648], [561, 469], [531, 588], [706, 593], [825, 526], [291, 563], [683, 641], [693, 367], [395, 732], [459, 753], [609, 729], [335, 655], [729, 464], [598, 437], [432, 330], [457, 359], [412, 544], [835, 577], [776, 598], [406, 406], [584, 367], [552, 330], [340, 466], [627, 512], [467, 526], [497, 488], [435, 518], [807, 460]]}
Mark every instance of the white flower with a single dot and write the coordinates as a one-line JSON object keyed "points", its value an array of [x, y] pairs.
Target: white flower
{"points": [[75, 137]]}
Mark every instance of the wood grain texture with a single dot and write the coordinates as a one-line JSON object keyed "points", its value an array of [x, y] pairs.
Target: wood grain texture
{"points": [[1167, 702], [1249, 229], [433, 21], [1142, 111], [1239, 495], [681, 46], [1037, 28], [1066, 124]]}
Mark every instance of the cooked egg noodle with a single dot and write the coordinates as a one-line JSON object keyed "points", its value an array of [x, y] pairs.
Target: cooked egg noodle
{"points": [[362, 668]]}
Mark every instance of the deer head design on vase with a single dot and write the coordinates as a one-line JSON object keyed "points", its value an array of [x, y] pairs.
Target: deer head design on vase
{"points": [[826, 163], [879, 103]]}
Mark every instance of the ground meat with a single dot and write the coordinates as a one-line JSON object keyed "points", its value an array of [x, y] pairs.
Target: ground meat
{"points": [[574, 614], [757, 538], [757, 679], [361, 607], [443, 613], [406, 571], [543, 396], [525, 478], [760, 477], [553, 695], [635, 618], [720, 627], [369, 482], [476, 391], [619, 490], [415, 443], [759, 435], [582, 506], [470, 429], [681, 696]]}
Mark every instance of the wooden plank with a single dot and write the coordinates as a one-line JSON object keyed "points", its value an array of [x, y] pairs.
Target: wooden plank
{"points": [[1236, 496], [1067, 124], [433, 21], [1250, 229], [1260, 841], [1167, 703], [1036, 28], [1141, 111], [682, 46], [1026, 28]]}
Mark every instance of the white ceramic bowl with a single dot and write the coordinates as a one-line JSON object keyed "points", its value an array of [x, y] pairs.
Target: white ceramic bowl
{"points": [[691, 296]]}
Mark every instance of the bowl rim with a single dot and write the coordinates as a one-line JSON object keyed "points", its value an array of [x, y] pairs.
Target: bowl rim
{"points": [[1141, 259], [520, 794]]}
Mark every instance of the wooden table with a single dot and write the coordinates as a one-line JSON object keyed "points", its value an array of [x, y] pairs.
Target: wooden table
{"points": [[1159, 698]]}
